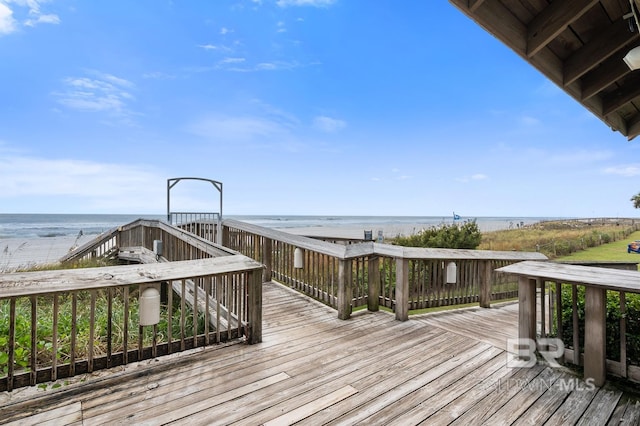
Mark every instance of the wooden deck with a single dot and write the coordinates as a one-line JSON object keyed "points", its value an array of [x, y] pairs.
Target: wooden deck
{"points": [[313, 368]]}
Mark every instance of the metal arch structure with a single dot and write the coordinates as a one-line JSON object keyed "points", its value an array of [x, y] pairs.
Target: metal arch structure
{"points": [[173, 182]]}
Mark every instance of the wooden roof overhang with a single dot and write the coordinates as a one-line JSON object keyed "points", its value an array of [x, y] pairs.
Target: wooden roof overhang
{"points": [[577, 44]]}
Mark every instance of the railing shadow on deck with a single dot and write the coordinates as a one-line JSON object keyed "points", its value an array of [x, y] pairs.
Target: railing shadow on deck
{"points": [[67, 322]]}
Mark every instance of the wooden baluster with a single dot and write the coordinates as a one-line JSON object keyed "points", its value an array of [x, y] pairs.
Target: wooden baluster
{"points": [[345, 279], [527, 308], [595, 335], [402, 289]]}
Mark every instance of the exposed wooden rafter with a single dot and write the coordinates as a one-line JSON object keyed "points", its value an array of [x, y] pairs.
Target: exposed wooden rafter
{"points": [[602, 77], [554, 19], [577, 44], [609, 40], [622, 96]]}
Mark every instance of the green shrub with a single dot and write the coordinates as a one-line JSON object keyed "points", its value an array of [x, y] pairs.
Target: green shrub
{"points": [[464, 236], [613, 317]]}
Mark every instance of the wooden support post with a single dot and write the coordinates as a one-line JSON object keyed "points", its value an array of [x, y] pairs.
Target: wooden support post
{"points": [[267, 259], [254, 304], [225, 236], [485, 285], [373, 298], [402, 289], [527, 308], [344, 288], [595, 335]]}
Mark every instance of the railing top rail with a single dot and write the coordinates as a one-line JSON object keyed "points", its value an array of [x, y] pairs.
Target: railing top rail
{"points": [[197, 213], [205, 245], [89, 245], [607, 278], [453, 254], [41, 282], [336, 250], [370, 248]]}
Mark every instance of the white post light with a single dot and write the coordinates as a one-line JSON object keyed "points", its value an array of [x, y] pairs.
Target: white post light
{"points": [[149, 305], [298, 258], [452, 270], [632, 59]]}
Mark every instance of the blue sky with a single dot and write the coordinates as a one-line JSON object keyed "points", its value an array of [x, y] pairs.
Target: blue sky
{"points": [[319, 107]]}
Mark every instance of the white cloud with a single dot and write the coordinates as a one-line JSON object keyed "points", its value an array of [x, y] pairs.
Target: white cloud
{"points": [[529, 121], [232, 60], [314, 3], [7, 23], [475, 177], [215, 47], [328, 124], [268, 66], [34, 13], [479, 176], [99, 93], [226, 128], [42, 19], [580, 157], [225, 31], [630, 170], [158, 75], [110, 186]]}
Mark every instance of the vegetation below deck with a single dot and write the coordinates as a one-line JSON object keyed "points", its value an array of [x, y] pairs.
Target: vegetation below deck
{"points": [[561, 238]]}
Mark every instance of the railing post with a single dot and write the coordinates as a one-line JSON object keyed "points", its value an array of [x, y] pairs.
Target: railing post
{"points": [[254, 304], [402, 289], [595, 335], [485, 284], [344, 288], [373, 297], [225, 236], [527, 308], [267, 259]]}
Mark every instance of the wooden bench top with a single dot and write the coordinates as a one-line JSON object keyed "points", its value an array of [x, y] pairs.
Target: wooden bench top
{"points": [[610, 279]]}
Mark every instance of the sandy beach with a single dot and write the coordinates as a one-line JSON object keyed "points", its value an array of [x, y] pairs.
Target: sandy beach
{"points": [[18, 253], [27, 252]]}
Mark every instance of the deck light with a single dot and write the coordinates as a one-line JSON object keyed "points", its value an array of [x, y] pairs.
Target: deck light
{"points": [[633, 58], [149, 305], [451, 272], [298, 258]]}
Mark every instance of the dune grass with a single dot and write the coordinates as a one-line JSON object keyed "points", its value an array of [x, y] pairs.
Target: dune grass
{"points": [[559, 238], [611, 252]]}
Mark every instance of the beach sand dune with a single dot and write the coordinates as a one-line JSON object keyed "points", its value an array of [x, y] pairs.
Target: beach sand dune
{"points": [[18, 253]]}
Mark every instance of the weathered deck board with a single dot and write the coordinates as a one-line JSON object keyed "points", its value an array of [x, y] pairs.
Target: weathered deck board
{"points": [[313, 368]]}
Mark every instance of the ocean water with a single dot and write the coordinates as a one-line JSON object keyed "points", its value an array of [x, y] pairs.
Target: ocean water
{"points": [[66, 225]]}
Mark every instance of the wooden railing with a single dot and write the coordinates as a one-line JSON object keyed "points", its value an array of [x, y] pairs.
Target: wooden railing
{"points": [[586, 307], [62, 323], [372, 274], [177, 244]]}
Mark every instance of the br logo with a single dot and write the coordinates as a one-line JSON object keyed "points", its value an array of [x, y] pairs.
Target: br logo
{"points": [[521, 353]]}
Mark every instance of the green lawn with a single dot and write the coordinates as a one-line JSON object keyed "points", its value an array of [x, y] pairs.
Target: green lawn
{"points": [[613, 252]]}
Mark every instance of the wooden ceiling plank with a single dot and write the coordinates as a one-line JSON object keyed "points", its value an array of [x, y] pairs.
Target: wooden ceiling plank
{"points": [[552, 20], [475, 4], [633, 127], [597, 50], [496, 19], [622, 96], [605, 75], [613, 121]]}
